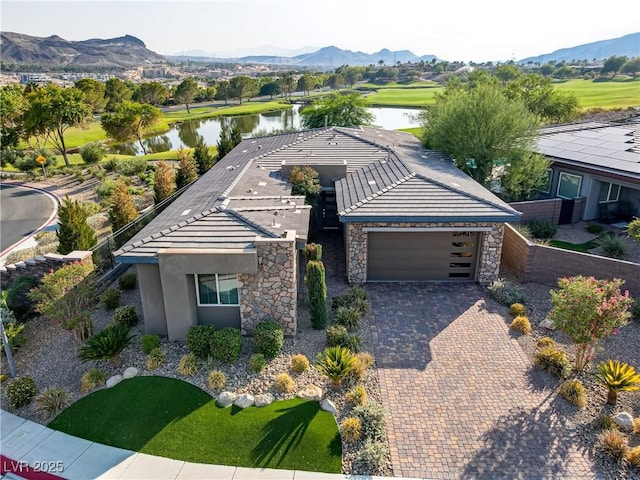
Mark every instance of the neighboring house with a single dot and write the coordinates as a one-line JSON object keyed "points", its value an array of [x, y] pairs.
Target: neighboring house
{"points": [[596, 169], [226, 251]]}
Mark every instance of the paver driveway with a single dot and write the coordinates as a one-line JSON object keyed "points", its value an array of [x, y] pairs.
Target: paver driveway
{"points": [[461, 398]]}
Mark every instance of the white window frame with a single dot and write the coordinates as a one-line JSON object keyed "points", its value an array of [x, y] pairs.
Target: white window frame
{"points": [[219, 304], [560, 182], [609, 199]]}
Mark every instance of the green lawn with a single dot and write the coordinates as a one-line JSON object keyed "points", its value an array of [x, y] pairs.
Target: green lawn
{"points": [[375, 86], [171, 418], [607, 95], [575, 247], [403, 97]]}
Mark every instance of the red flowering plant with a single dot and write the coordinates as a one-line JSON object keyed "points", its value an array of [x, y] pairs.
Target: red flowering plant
{"points": [[66, 296], [586, 310]]}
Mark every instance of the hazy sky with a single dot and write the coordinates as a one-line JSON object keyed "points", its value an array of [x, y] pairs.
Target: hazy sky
{"points": [[450, 29]]}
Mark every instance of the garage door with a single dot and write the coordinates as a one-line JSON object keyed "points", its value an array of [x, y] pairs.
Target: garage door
{"points": [[413, 256]]}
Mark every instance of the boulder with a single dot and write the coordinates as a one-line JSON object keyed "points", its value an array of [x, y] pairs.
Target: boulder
{"points": [[225, 399], [263, 400], [624, 420], [130, 373], [311, 392], [113, 381], [328, 406], [547, 323], [243, 401]]}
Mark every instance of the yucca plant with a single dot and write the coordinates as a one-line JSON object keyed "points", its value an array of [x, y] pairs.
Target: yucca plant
{"points": [[617, 377], [335, 363], [107, 344]]}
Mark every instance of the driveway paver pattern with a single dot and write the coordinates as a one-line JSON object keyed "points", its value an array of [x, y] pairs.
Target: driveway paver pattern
{"points": [[461, 398]]}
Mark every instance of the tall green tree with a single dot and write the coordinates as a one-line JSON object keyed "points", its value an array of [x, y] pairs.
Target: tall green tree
{"points": [[228, 140], [223, 91], [116, 92], [338, 110], [186, 91], [305, 83], [631, 67], [122, 208], [13, 105], [73, 231], [94, 93], [242, 86], [269, 88], [480, 129], [129, 121], [164, 182], [613, 64], [153, 93], [187, 169], [204, 160], [52, 111]]}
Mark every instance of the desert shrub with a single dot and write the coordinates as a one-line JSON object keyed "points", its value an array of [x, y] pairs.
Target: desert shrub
{"points": [[350, 428], [338, 301], [312, 251], [92, 152], [523, 230], [46, 238], [98, 222], [199, 339], [317, 292], [594, 228], [107, 344], [257, 362], [348, 317], [357, 293], [573, 392], [357, 396], [110, 165], [353, 343], [92, 379], [517, 310], [284, 383], [216, 380], [188, 365], [21, 391], [633, 456], [546, 342], [365, 359], [105, 189], [541, 228], [150, 341], [554, 361], [15, 334], [156, 359], [337, 335], [129, 168], [522, 325], [371, 456], [613, 444], [617, 377], [613, 245], [633, 229], [335, 363], [506, 293], [371, 414], [635, 309], [299, 363], [126, 316], [127, 281], [51, 401], [226, 345], [111, 298], [268, 337], [604, 422], [18, 300]]}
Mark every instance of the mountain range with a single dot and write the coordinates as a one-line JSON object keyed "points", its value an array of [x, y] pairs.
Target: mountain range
{"points": [[127, 51], [628, 45]]}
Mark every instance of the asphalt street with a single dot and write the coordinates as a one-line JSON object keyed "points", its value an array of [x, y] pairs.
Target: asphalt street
{"points": [[22, 211]]}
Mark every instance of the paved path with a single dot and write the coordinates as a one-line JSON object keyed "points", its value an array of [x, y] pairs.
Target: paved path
{"points": [[461, 398]]}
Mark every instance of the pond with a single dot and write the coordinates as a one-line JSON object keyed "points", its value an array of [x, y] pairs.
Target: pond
{"points": [[187, 134]]}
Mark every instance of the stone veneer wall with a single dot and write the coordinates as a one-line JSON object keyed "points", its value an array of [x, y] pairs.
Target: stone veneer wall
{"points": [[490, 247], [271, 293], [39, 266]]}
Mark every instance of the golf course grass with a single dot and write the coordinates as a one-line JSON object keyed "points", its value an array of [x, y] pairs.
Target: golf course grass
{"points": [[175, 419], [604, 94]]}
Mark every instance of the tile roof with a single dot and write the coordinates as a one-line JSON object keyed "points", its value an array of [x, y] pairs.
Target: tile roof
{"points": [[611, 149], [244, 195]]}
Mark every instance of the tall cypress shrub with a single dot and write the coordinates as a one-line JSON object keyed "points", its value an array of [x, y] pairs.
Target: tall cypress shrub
{"points": [[73, 231], [312, 251], [317, 290]]}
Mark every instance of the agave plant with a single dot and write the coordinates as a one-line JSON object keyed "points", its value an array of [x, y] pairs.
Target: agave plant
{"points": [[107, 344], [617, 377], [335, 363]]}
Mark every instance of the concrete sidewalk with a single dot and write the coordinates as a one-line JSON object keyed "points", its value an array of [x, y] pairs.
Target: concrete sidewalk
{"points": [[23, 442]]}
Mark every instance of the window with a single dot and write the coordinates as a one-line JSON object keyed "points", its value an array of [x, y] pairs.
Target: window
{"points": [[609, 192], [546, 187], [217, 289], [569, 185]]}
